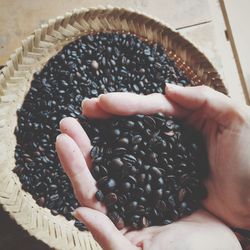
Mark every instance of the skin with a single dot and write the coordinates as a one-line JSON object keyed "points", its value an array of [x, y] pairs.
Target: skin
{"points": [[225, 127]]}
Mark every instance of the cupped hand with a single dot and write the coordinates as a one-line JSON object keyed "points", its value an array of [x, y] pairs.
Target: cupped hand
{"points": [[198, 231], [225, 126]]}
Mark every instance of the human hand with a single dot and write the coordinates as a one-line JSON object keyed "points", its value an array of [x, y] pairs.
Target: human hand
{"points": [[197, 231], [225, 126]]}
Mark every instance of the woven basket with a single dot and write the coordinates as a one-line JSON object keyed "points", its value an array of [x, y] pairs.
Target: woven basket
{"points": [[15, 79]]}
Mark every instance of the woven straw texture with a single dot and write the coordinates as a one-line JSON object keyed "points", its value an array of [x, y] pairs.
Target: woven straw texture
{"points": [[15, 79]]}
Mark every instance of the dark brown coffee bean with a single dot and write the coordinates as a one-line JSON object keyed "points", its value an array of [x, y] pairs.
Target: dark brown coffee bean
{"points": [[110, 199], [141, 178], [157, 194], [181, 194], [94, 65], [106, 184], [122, 199], [148, 189], [132, 205], [131, 179], [126, 186], [129, 158], [117, 164], [149, 121], [161, 206], [41, 202], [142, 199], [54, 197], [136, 139], [54, 212], [123, 142], [95, 152], [99, 195], [155, 171]]}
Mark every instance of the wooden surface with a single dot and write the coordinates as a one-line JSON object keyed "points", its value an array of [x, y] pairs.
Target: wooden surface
{"points": [[238, 19], [200, 21]]}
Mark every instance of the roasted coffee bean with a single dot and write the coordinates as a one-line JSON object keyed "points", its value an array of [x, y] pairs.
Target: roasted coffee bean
{"points": [[106, 184], [110, 199], [136, 139], [99, 195], [117, 164], [142, 199], [148, 189], [80, 225], [54, 197], [119, 151], [149, 121], [122, 199], [116, 219], [123, 142], [141, 178], [95, 152], [94, 65], [131, 179], [156, 172], [132, 205], [166, 222], [157, 194], [181, 194], [54, 212], [41, 201], [129, 158], [126, 186], [150, 152], [138, 191]]}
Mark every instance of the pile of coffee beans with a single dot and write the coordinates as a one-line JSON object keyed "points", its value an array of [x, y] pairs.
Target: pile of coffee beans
{"points": [[148, 168], [91, 65]]}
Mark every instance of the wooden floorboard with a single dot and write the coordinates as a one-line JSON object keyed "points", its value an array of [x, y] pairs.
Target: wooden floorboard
{"points": [[237, 18], [19, 18]]}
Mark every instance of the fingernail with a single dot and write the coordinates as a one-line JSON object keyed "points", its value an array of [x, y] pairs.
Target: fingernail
{"points": [[61, 121], [100, 96], [73, 214], [60, 136], [170, 86], [83, 102]]}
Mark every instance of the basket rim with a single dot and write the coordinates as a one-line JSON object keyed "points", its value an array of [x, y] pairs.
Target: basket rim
{"points": [[15, 80]]}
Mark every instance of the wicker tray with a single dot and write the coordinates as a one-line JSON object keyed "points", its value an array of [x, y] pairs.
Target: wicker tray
{"points": [[15, 79]]}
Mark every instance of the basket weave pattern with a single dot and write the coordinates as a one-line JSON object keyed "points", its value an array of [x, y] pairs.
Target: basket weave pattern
{"points": [[15, 79]]}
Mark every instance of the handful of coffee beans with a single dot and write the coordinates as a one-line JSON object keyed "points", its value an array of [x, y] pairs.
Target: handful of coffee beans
{"points": [[87, 67], [148, 168]]}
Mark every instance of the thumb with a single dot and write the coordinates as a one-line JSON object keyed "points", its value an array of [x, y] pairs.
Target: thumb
{"points": [[205, 101], [103, 230]]}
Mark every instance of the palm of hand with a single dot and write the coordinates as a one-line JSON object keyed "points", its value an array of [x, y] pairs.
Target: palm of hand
{"points": [[188, 233], [228, 183]]}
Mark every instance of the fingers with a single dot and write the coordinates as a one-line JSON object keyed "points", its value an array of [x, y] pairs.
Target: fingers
{"points": [[124, 104], [103, 230], [91, 109], [210, 103], [72, 128], [77, 170]]}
